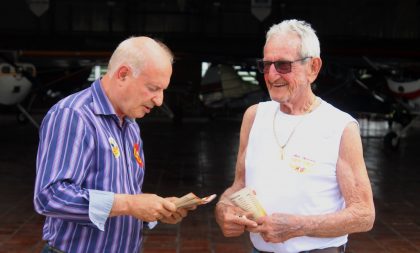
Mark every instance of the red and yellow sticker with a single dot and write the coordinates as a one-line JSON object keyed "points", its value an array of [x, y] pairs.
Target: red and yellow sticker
{"points": [[137, 155]]}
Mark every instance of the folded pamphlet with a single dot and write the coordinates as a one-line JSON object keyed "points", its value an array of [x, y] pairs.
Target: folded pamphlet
{"points": [[191, 199], [247, 200]]}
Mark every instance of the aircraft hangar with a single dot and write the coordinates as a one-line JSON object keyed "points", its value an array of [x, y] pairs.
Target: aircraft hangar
{"points": [[50, 49]]}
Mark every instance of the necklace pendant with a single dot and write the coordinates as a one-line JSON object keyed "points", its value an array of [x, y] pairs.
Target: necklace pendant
{"points": [[282, 153]]}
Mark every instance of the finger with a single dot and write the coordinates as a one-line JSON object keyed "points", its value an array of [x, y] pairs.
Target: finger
{"points": [[233, 231], [177, 216], [170, 220], [265, 237], [257, 229], [163, 212], [171, 199], [182, 212], [244, 221], [168, 205], [250, 215], [261, 220], [190, 208]]}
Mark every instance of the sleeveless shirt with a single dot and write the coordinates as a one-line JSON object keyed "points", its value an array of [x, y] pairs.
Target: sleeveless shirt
{"points": [[304, 182]]}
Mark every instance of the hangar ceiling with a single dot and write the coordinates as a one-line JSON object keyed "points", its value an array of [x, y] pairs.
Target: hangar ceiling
{"points": [[209, 28], [66, 40]]}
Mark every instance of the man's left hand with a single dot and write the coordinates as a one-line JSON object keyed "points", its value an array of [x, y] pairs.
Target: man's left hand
{"points": [[278, 227]]}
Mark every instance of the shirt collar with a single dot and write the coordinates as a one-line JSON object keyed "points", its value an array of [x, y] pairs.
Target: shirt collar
{"points": [[101, 103]]}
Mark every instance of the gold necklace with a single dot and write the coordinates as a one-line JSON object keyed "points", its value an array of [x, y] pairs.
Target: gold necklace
{"points": [[282, 147]]}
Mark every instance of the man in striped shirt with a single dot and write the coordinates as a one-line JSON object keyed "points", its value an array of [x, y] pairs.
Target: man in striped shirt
{"points": [[90, 163]]}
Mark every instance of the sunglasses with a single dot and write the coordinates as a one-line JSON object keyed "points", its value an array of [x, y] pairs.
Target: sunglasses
{"points": [[282, 67]]}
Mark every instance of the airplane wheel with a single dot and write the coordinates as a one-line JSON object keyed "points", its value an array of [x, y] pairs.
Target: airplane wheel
{"points": [[391, 140], [21, 118]]}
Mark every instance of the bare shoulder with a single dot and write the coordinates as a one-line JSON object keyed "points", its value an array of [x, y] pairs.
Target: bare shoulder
{"points": [[352, 128], [249, 115], [351, 143], [351, 167], [247, 122]]}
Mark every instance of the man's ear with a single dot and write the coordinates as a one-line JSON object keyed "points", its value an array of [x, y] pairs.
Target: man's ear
{"points": [[316, 64], [122, 73]]}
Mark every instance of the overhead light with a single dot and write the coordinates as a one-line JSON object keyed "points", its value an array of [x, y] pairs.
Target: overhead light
{"points": [[261, 9], [38, 7]]}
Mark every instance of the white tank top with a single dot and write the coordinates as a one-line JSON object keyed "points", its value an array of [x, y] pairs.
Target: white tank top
{"points": [[304, 182]]}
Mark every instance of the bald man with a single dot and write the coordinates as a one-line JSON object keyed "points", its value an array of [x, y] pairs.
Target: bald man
{"points": [[90, 162]]}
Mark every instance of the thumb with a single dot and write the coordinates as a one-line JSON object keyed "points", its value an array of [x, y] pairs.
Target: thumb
{"points": [[168, 205], [261, 220]]}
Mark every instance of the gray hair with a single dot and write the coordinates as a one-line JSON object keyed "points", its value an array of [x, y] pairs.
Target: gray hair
{"points": [[128, 52], [309, 41]]}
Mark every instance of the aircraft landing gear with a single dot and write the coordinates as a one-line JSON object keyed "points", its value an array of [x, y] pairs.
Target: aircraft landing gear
{"points": [[391, 140]]}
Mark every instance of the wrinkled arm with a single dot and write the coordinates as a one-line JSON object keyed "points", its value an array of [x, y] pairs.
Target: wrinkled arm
{"points": [[359, 213], [239, 181], [226, 213]]}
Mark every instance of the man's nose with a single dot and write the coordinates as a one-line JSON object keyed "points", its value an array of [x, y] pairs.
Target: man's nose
{"points": [[158, 99], [272, 74]]}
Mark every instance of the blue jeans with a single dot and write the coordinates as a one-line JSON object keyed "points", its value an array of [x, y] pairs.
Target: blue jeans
{"points": [[254, 250], [48, 249], [341, 249]]}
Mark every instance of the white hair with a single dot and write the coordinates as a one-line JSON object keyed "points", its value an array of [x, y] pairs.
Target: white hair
{"points": [[128, 52], [309, 46]]}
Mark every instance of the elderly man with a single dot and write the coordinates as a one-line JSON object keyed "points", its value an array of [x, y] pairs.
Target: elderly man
{"points": [[302, 156], [90, 163]]}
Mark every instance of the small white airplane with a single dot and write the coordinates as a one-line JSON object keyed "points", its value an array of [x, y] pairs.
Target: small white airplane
{"points": [[15, 86], [229, 87], [405, 92], [31, 80]]}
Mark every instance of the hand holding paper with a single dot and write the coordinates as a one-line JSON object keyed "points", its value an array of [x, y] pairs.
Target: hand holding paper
{"points": [[247, 200]]}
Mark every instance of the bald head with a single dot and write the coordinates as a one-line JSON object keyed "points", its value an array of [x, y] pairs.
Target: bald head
{"points": [[139, 71], [137, 52]]}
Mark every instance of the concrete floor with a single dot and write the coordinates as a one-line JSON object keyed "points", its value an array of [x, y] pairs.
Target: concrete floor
{"points": [[200, 156]]}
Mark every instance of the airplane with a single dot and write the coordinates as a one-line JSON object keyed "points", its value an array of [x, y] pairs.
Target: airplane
{"points": [[227, 88], [403, 92], [384, 87], [15, 85], [28, 81]]}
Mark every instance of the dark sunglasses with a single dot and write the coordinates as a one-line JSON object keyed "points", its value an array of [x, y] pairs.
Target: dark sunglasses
{"points": [[282, 67]]}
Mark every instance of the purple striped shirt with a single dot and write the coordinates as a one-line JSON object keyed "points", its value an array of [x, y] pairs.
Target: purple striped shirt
{"points": [[83, 148]]}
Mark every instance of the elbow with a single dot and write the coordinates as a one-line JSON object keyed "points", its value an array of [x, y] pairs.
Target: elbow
{"points": [[363, 219], [370, 220], [41, 203], [367, 220], [38, 206]]}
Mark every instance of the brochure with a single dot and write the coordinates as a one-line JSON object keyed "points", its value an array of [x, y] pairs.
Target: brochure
{"points": [[247, 200], [192, 200]]}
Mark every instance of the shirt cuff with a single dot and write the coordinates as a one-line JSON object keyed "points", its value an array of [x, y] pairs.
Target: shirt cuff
{"points": [[152, 224], [100, 205]]}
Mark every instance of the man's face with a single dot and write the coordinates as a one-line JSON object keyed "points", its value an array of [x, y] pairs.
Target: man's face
{"points": [[140, 94], [285, 87]]}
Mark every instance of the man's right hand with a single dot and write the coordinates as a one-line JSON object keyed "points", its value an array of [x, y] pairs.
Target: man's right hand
{"points": [[232, 220], [145, 206]]}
